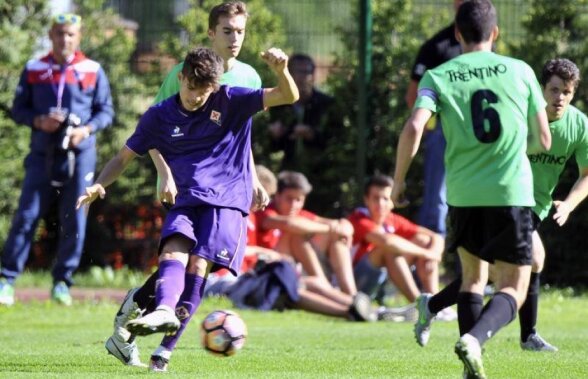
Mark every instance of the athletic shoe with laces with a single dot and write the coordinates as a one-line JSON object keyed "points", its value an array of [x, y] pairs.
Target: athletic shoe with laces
{"points": [[161, 320], [422, 327], [6, 292], [125, 351], [469, 351], [60, 294], [536, 343], [158, 364], [129, 310]]}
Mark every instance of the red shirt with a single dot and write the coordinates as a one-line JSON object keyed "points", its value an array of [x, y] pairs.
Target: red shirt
{"points": [[363, 224], [269, 238]]}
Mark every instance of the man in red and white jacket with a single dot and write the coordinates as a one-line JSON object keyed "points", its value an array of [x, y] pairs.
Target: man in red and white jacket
{"points": [[65, 99]]}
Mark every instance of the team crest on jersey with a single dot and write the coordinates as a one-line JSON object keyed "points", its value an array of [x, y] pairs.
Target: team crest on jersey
{"points": [[215, 117], [177, 132]]}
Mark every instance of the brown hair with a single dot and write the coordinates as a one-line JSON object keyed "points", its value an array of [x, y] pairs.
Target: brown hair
{"points": [[293, 180], [563, 68], [228, 9], [203, 68]]}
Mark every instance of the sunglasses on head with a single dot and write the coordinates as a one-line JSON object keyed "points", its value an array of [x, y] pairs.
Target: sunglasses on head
{"points": [[67, 18]]}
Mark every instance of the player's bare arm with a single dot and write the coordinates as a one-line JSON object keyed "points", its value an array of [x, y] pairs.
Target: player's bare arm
{"points": [[578, 193], [107, 176], [295, 224], [260, 198], [408, 145], [166, 189], [286, 92], [400, 245], [539, 135]]}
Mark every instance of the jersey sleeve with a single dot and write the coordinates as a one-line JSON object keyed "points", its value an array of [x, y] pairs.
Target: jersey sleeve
{"points": [[427, 94], [141, 141], [170, 85], [247, 101]]}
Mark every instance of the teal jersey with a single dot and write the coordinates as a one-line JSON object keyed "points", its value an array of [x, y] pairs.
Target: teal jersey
{"points": [[240, 75], [569, 136], [484, 101]]}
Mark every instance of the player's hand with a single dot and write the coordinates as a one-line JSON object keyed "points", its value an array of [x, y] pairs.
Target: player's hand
{"points": [[48, 123], [398, 197], [562, 212], [167, 190], [91, 194], [276, 59], [260, 197]]}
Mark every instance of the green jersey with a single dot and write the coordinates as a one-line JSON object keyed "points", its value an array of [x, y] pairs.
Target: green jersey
{"points": [[569, 136], [240, 75], [484, 101]]}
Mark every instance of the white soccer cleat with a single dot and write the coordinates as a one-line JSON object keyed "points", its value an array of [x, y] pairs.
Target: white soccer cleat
{"points": [[162, 320], [422, 327], [129, 310], [127, 353], [469, 351]]}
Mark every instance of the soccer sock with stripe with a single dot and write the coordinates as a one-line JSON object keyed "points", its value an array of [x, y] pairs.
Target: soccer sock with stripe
{"points": [[170, 284], [499, 311], [469, 308], [187, 306], [529, 310]]}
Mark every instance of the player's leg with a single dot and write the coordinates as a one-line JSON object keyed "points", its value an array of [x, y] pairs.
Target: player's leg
{"points": [[301, 249], [398, 270], [469, 308], [221, 234], [530, 339], [172, 267], [339, 256]]}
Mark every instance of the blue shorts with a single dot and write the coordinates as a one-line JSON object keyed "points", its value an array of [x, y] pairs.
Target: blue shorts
{"points": [[219, 234], [367, 277]]}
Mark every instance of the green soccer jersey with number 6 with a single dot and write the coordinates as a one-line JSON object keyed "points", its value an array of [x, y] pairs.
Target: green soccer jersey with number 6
{"points": [[485, 101]]}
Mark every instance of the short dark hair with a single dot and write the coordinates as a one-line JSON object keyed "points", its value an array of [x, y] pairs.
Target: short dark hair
{"points": [[475, 20], [300, 58], [203, 67], [379, 181], [228, 9], [293, 180], [563, 68]]}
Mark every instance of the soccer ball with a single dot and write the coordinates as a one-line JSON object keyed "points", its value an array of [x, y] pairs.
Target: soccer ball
{"points": [[223, 333]]}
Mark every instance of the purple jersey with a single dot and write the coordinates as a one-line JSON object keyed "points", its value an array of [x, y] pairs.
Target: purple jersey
{"points": [[207, 150]]}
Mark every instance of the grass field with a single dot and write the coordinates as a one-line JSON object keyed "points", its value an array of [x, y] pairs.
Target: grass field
{"points": [[43, 340]]}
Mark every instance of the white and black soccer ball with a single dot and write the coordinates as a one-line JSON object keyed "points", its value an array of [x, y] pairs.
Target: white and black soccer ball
{"points": [[223, 333]]}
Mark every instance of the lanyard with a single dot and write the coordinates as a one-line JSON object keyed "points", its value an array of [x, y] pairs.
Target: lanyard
{"points": [[58, 89]]}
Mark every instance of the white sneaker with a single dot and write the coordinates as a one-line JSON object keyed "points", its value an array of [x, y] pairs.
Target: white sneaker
{"points": [[129, 310], [127, 353], [422, 327], [469, 351], [160, 320]]}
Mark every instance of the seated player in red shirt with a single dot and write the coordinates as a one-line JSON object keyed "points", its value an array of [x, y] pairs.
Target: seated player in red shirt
{"points": [[383, 239], [316, 242]]}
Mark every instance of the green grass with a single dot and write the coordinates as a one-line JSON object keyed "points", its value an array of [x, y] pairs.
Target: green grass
{"points": [[41, 340]]}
